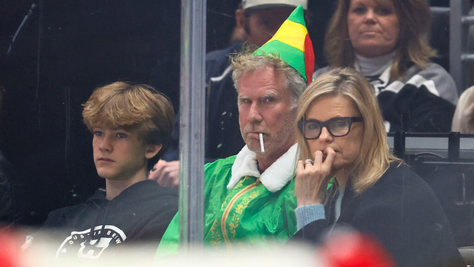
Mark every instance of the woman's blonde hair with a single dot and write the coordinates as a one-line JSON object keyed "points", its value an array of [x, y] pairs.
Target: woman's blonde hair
{"points": [[414, 17], [374, 157], [463, 120], [137, 107]]}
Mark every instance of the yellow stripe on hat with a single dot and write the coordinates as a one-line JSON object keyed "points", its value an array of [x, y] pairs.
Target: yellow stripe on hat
{"points": [[291, 33]]}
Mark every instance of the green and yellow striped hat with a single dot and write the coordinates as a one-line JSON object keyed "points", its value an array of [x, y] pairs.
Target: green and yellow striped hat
{"points": [[293, 44]]}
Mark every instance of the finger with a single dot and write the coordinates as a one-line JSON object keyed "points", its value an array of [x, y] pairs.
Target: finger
{"points": [[154, 174], [175, 184], [165, 180], [299, 167], [158, 165], [318, 158], [330, 155], [159, 173], [327, 165]]}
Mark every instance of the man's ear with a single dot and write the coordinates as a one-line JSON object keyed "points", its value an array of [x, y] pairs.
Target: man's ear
{"points": [[240, 19], [152, 150]]}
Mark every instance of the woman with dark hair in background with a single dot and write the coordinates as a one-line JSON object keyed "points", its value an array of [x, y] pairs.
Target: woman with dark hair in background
{"points": [[385, 41]]}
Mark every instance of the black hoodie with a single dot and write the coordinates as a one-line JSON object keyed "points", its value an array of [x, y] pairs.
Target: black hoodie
{"points": [[140, 213]]}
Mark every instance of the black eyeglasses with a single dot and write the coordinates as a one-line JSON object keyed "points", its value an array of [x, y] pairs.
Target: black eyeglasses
{"points": [[337, 127]]}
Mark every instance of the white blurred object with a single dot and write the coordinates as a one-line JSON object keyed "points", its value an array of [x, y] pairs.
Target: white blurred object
{"points": [[139, 255], [273, 3]]}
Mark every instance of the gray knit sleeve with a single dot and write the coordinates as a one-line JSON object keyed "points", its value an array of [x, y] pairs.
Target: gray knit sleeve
{"points": [[309, 213]]}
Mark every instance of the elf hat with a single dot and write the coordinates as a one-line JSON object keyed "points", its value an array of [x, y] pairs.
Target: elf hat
{"points": [[292, 43], [273, 3]]}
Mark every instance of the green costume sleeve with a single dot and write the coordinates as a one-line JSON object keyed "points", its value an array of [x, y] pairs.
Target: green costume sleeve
{"points": [[170, 240]]}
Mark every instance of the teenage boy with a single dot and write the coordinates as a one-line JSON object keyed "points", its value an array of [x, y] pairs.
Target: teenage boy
{"points": [[131, 126]]}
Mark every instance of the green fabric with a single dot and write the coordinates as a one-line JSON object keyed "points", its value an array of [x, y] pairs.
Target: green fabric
{"points": [[330, 183], [257, 217], [298, 16], [291, 55]]}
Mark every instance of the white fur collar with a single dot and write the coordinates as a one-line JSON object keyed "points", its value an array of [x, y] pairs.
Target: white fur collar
{"points": [[273, 178]]}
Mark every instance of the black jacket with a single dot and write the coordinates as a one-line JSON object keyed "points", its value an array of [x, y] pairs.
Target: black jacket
{"points": [[8, 210], [422, 100], [141, 213], [402, 212]]}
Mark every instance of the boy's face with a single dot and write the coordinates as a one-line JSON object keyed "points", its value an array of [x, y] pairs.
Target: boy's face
{"points": [[121, 154]]}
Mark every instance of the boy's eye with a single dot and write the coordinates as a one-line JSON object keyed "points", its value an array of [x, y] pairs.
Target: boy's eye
{"points": [[121, 135]]}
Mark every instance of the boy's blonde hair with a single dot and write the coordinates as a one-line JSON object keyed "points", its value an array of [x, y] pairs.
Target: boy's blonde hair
{"points": [[137, 107]]}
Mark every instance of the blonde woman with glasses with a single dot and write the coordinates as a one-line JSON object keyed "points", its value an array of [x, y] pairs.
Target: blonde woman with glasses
{"points": [[346, 176]]}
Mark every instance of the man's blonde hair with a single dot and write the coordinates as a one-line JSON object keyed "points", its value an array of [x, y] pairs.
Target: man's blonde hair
{"points": [[374, 158], [137, 107]]}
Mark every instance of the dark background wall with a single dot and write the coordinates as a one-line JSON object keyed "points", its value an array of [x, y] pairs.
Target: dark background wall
{"points": [[64, 50]]}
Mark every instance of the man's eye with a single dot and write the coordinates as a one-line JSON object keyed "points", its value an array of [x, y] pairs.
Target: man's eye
{"points": [[244, 101], [269, 100]]}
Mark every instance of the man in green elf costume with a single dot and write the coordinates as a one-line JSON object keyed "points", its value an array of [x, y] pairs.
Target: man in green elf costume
{"points": [[249, 198]]}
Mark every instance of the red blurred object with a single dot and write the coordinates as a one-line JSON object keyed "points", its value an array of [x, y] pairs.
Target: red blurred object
{"points": [[9, 250], [352, 249]]}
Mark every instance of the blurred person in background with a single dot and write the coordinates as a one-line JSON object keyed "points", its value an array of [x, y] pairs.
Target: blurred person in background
{"points": [[463, 120], [131, 127], [259, 20], [239, 35], [385, 41], [347, 176]]}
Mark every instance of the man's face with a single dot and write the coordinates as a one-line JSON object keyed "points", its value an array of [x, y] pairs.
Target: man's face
{"points": [[265, 106], [120, 154], [263, 24]]}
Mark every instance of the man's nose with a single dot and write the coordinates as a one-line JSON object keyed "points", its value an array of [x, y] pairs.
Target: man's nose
{"points": [[325, 136], [255, 113]]}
